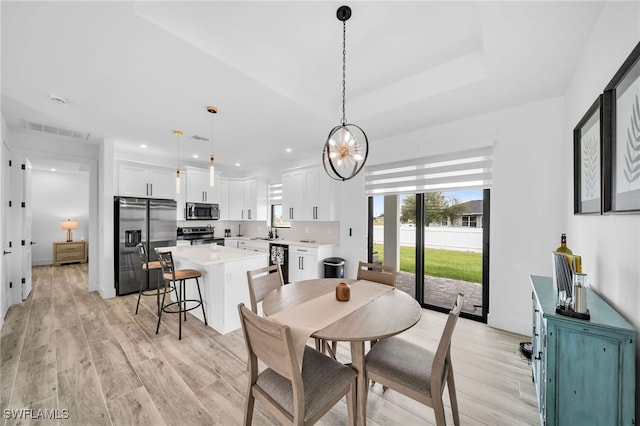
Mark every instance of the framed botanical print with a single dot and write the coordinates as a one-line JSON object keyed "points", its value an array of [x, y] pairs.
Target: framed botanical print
{"points": [[587, 161], [621, 147]]}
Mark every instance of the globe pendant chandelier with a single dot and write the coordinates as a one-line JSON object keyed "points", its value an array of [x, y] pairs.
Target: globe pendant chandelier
{"points": [[347, 146]]}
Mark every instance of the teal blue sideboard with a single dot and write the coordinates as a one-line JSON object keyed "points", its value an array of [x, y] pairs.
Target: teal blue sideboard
{"points": [[584, 370]]}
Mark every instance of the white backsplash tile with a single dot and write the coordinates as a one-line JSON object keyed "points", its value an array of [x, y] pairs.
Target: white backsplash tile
{"points": [[322, 232]]}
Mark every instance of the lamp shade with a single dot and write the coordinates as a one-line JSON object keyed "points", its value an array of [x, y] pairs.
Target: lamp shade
{"points": [[69, 225]]}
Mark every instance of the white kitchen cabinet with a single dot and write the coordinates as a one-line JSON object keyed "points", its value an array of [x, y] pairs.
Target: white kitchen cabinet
{"points": [[293, 194], [248, 199], [236, 199], [306, 263], [308, 194], [231, 242], [223, 197], [254, 245], [143, 180], [321, 197], [197, 186]]}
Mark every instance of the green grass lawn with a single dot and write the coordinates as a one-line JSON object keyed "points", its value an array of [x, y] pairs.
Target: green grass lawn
{"points": [[459, 265]]}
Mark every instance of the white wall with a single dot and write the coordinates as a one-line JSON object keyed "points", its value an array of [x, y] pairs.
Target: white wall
{"points": [[86, 153], [57, 196], [527, 168], [609, 244]]}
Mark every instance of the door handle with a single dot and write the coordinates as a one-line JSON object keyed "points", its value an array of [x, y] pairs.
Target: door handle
{"points": [[32, 243], [4, 252]]}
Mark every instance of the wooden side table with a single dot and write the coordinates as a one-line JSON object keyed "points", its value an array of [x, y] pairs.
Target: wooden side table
{"points": [[74, 251]]}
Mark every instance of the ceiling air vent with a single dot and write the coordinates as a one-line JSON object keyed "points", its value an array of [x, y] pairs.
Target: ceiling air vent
{"points": [[55, 130], [199, 138]]}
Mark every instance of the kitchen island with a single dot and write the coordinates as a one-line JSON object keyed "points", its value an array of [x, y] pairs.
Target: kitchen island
{"points": [[223, 283]]}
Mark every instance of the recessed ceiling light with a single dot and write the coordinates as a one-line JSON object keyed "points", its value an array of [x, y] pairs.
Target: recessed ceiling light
{"points": [[195, 155], [143, 146], [237, 164], [288, 149], [53, 170]]}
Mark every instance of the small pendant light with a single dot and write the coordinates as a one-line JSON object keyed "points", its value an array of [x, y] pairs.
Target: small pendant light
{"points": [[212, 110], [347, 146], [178, 133]]}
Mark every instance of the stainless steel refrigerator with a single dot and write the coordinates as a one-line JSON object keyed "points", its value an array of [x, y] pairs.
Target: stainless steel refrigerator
{"points": [[140, 220]]}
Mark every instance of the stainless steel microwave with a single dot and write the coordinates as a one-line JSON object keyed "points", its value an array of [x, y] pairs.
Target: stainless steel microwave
{"points": [[202, 211]]}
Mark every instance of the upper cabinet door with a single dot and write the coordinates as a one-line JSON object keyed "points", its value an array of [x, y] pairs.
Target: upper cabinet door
{"points": [[222, 188], [308, 194], [293, 188], [140, 180], [236, 200], [163, 183], [197, 186], [133, 180], [321, 197]]}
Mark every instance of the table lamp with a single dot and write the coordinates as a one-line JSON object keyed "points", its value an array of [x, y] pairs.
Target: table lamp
{"points": [[69, 225]]}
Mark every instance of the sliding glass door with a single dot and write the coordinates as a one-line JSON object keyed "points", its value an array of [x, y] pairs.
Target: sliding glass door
{"points": [[439, 243]]}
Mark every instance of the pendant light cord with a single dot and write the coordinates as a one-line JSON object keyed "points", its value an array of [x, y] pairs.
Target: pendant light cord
{"points": [[344, 69]]}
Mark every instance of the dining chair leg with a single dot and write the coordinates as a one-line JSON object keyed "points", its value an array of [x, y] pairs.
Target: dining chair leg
{"points": [[248, 408], [201, 302], [351, 404], [452, 396]]}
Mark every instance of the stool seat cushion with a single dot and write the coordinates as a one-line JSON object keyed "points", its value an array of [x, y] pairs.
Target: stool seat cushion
{"points": [[151, 265], [183, 274]]}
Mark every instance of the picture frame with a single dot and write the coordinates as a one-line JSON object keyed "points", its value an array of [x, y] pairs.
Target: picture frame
{"points": [[621, 138], [587, 161]]}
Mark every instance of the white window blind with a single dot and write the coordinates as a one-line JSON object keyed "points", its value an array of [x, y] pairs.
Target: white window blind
{"points": [[275, 193], [470, 169]]}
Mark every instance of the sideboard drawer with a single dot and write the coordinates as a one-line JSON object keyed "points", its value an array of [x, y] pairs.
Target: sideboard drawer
{"points": [[69, 252]]}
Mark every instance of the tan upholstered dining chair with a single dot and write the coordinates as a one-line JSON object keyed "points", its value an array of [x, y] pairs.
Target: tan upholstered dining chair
{"points": [[417, 372], [261, 282], [383, 274], [295, 396]]}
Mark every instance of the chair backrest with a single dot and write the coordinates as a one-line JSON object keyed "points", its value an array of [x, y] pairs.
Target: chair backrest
{"points": [[383, 274], [261, 282], [143, 254], [166, 263], [442, 357], [270, 343]]}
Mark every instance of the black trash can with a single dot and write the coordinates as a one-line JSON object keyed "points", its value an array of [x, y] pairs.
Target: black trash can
{"points": [[334, 267]]}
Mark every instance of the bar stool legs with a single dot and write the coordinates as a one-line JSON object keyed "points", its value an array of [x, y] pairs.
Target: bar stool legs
{"points": [[178, 278], [181, 303], [146, 268]]}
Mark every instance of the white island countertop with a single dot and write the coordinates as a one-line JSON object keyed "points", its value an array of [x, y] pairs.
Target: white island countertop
{"points": [[210, 254], [223, 282]]}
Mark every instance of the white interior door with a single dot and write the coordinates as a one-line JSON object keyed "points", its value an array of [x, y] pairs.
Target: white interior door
{"points": [[26, 240], [7, 250]]}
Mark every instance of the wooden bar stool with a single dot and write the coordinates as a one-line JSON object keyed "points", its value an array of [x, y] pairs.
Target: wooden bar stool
{"points": [[146, 267], [178, 277]]}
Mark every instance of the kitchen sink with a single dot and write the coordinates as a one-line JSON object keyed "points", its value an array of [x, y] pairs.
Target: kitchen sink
{"points": [[263, 238]]}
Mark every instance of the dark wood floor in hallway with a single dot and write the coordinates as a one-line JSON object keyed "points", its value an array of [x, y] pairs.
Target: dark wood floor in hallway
{"points": [[67, 353]]}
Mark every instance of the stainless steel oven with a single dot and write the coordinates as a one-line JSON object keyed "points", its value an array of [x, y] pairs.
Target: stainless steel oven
{"points": [[202, 211], [199, 235]]}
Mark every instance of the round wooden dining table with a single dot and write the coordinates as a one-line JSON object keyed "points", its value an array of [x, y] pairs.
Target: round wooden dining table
{"points": [[390, 314]]}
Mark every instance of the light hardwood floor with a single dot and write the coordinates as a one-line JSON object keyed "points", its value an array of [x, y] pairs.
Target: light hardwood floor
{"points": [[67, 349]]}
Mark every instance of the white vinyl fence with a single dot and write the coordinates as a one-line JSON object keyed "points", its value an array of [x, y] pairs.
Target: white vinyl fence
{"points": [[441, 237]]}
